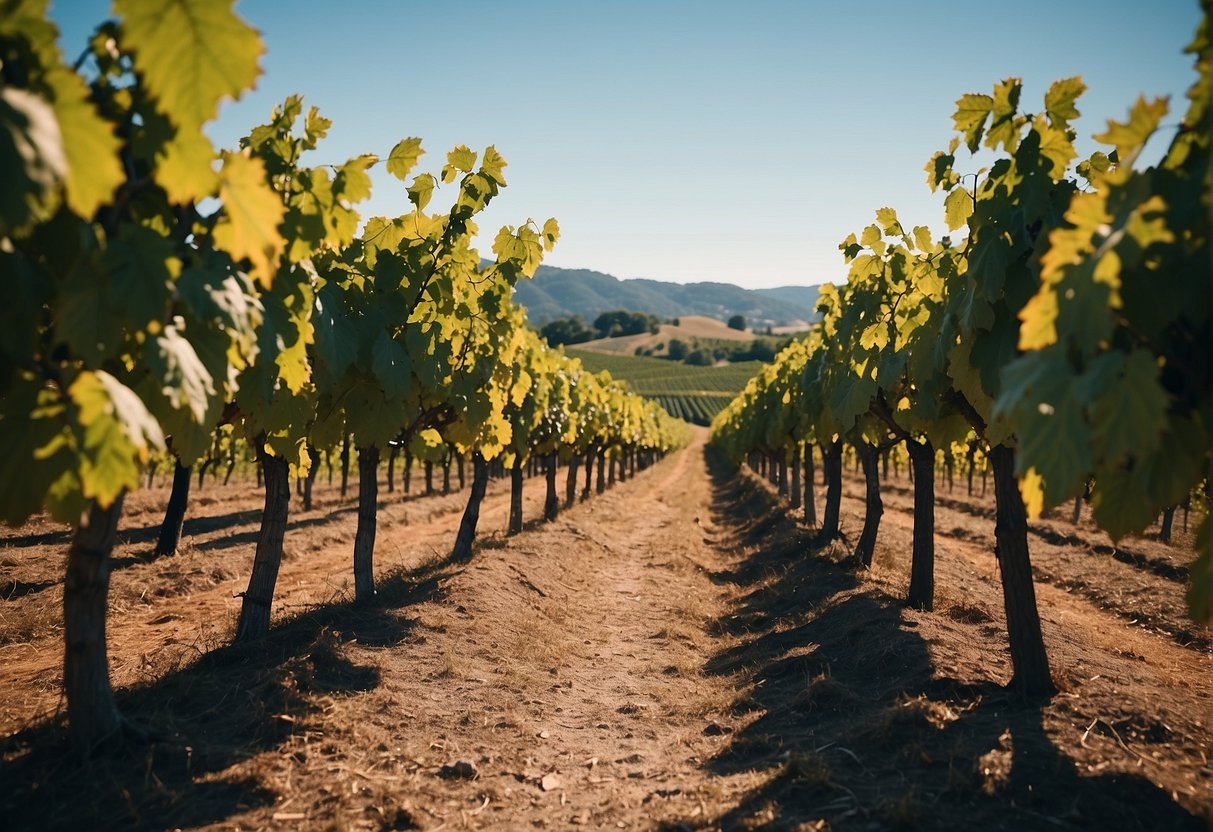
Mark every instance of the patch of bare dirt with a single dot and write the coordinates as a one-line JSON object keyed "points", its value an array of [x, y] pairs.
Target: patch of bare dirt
{"points": [[670, 655]]}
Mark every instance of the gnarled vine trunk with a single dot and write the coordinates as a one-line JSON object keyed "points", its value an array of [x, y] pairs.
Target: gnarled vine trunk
{"points": [[570, 481], [922, 561], [174, 513], [368, 520], [471, 514], [832, 464], [516, 497], [873, 504], [1032, 677], [810, 495], [254, 619], [91, 713], [795, 490], [551, 504], [345, 464]]}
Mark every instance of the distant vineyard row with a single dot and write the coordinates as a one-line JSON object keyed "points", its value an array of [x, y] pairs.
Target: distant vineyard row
{"points": [[695, 394]]}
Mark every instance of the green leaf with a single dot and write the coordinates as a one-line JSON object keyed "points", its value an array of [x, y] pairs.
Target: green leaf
{"points": [[391, 365], [851, 398], [251, 216], [1130, 416], [1053, 437], [94, 171], [143, 269], [336, 336], [190, 54], [403, 157], [32, 157], [1118, 503], [118, 432], [35, 451], [922, 238], [183, 379]]}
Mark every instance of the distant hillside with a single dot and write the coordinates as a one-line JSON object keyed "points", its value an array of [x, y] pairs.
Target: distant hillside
{"points": [[562, 293], [800, 295], [690, 327]]}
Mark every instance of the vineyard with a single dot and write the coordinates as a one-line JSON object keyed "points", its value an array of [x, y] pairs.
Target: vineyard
{"points": [[695, 394], [308, 528]]}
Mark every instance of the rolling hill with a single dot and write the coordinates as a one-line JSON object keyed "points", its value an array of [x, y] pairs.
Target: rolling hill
{"points": [[561, 293]]}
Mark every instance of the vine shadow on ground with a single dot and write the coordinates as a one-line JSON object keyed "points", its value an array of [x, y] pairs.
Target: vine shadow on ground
{"points": [[854, 728], [227, 706]]}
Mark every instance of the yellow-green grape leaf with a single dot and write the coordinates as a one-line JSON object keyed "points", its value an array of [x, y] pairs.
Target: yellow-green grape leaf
{"points": [[1055, 146], [887, 219], [1128, 137], [186, 170], [460, 160], [1059, 101], [1038, 318], [403, 157], [922, 238], [551, 233], [117, 433], [870, 236], [957, 207], [252, 213], [352, 183], [970, 117], [1032, 490], [493, 165], [93, 169], [421, 190], [190, 54], [1004, 127]]}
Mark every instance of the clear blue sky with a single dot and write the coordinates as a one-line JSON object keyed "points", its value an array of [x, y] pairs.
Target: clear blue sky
{"points": [[692, 140]]}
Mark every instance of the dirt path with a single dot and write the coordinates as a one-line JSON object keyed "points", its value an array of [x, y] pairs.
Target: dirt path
{"points": [[665, 656]]}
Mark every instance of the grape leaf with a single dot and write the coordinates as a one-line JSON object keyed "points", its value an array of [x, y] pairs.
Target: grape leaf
{"points": [[404, 157], [252, 214], [190, 54]]}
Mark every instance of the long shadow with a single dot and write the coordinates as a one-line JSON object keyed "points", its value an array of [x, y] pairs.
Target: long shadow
{"points": [[852, 726], [224, 708]]}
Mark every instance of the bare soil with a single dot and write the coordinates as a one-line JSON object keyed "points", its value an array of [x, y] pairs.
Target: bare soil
{"points": [[671, 655]]}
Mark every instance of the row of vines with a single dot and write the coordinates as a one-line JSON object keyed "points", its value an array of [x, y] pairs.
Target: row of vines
{"points": [[1064, 332], [164, 297]]}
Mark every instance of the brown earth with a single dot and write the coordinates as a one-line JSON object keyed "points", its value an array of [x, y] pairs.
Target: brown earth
{"points": [[666, 656], [688, 327]]}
